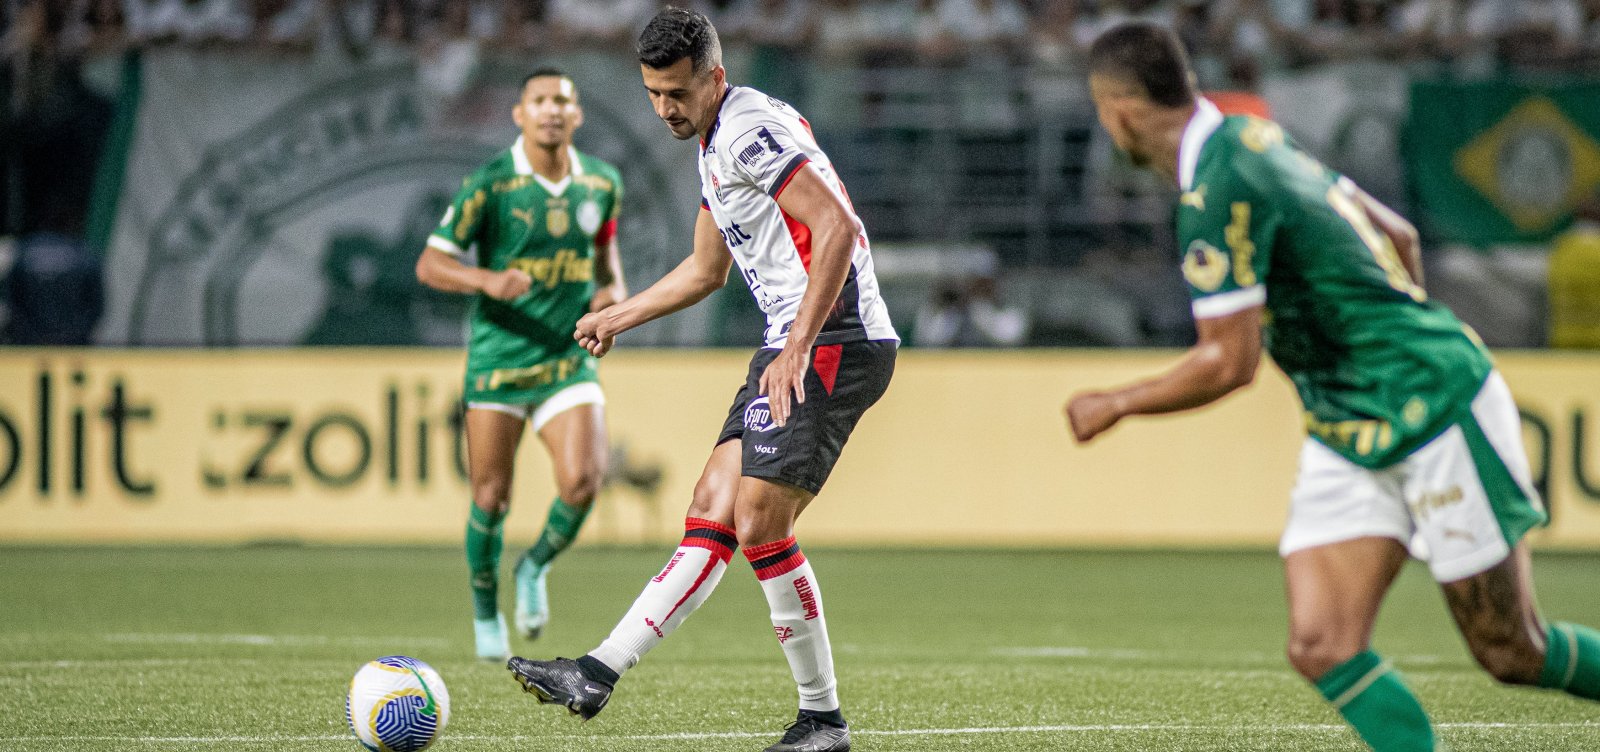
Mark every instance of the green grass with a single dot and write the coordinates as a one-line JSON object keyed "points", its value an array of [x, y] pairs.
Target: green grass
{"points": [[251, 649]]}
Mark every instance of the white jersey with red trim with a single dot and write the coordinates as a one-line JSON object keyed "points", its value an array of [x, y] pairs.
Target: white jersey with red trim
{"points": [[754, 149]]}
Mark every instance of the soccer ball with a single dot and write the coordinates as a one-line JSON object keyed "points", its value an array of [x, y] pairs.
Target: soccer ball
{"points": [[397, 704]]}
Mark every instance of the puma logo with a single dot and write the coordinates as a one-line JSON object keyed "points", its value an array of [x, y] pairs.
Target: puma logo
{"points": [[526, 215]]}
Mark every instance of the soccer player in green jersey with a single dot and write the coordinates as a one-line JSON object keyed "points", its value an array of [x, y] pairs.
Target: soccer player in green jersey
{"points": [[1412, 432], [543, 217]]}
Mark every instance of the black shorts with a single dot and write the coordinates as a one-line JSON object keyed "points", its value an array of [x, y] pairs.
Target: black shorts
{"points": [[843, 381]]}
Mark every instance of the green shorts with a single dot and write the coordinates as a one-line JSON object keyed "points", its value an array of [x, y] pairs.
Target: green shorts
{"points": [[530, 386]]}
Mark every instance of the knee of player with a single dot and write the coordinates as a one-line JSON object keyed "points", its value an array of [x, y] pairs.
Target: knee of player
{"points": [[712, 495], [1315, 651], [580, 487], [492, 495]]}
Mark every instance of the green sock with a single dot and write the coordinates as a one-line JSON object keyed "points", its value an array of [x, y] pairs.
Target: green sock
{"points": [[1368, 692], [560, 528], [483, 560], [1572, 660]]}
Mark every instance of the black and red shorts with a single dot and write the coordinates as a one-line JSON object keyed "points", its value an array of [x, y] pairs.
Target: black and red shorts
{"points": [[843, 381]]}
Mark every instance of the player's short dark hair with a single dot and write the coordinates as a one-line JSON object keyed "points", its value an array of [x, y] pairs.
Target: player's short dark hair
{"points": [[678, 33], [1148, 56], [549, 72]]}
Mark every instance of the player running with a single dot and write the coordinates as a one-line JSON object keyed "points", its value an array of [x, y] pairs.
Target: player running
{"points": [[772, 202], [1412, 432], [543, 217]]}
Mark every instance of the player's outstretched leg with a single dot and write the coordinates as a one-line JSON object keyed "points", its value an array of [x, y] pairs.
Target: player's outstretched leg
{"points": [[694, 570], [575, 435], [1334, 594], [802, 630], [1498, 615]]}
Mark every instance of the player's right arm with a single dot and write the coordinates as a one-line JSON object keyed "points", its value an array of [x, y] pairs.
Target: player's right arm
{"points": [[702, 273], [440, 266], [444, 272]]}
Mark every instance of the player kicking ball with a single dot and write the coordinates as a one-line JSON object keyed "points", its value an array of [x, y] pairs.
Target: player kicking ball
{"points": [[772, 202], [543, 217], [1412, 431]]}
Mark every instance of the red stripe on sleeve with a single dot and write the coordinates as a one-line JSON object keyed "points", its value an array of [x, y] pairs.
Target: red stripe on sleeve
{"points": [[607, 233], [790, 178], [801, 235]]}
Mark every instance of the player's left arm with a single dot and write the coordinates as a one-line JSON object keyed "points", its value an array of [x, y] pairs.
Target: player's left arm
{"points": [[1400, 231], [1224, 359], [834, 232]]}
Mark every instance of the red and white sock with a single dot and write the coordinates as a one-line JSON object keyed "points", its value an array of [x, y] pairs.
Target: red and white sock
{"points": [[668, 598], [796, 601]]}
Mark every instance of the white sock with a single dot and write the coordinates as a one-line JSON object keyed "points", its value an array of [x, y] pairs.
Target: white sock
{"points": [[797, 618], [668, 598]]}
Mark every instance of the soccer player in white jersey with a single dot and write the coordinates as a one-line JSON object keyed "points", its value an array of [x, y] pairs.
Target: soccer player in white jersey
{"points": [[772, 203]]}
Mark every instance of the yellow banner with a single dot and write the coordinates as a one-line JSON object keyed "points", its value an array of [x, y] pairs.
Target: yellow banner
{"points": [[966, 448]]}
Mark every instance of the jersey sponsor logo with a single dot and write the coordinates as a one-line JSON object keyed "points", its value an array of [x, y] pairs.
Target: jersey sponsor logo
{"points": [[764, 449], [566, 266], [651, 623], [758, 416], [733, 235], [784, 633], [677, 557], [749, 155], [1360, 436], [808, 598], [756, 146], [1204, 266]]}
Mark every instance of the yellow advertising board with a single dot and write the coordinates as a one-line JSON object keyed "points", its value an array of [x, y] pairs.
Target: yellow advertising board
{"points": [[966, 448]]}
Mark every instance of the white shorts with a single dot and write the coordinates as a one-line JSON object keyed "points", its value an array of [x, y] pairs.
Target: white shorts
{"points": [[540, 413], [1460, 502]]}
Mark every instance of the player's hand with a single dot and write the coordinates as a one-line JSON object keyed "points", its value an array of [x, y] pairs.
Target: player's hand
{"points": [[785, 376], [594, 335], [1091, 413], [507, 284]]}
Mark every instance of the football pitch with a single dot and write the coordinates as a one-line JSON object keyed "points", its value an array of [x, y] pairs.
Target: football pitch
{"points": [[251, 648]]}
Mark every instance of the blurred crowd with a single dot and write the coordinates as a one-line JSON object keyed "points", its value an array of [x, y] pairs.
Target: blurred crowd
{"points": [[1537, 33]]}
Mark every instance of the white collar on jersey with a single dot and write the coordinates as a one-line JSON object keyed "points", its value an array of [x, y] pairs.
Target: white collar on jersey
{"points": [[519, 160], [1205, 121]]}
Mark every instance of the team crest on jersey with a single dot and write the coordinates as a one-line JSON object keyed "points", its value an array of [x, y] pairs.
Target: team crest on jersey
{"points": [[589, 217], [556, 219], [758, 416], [716, 187], [1204, 266]]}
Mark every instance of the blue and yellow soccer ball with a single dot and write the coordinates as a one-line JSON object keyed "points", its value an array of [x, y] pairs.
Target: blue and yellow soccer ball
{"points": [[397, 704]]}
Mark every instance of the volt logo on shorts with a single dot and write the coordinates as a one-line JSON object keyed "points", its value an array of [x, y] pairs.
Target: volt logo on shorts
{"points": [[758, 416]]}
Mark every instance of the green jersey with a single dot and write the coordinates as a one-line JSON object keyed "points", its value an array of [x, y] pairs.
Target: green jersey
{"points": [[520, 350], [1380, 369]]}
